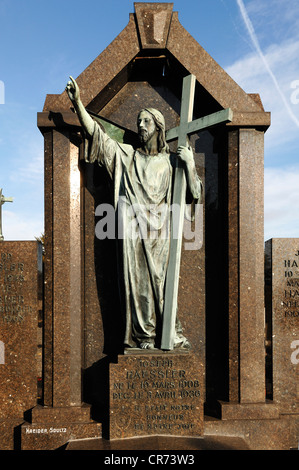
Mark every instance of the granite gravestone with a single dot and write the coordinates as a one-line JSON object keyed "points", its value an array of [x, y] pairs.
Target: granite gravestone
{"points": [[20, 301], [282, 304], [221, 285], [156, 394]]}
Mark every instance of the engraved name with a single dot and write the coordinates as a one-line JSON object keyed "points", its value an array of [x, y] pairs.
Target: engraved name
{"points": [[290, 300]]}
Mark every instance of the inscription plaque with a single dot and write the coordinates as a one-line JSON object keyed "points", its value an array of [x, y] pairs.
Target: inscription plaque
{"points": [[156, 394], [282, 273]]}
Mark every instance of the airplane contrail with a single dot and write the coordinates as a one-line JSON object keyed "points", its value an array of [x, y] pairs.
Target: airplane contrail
{"points": [[256, 44]]}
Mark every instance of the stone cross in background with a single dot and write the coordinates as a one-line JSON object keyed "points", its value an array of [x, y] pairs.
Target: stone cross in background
{"points": [[3, 199]]}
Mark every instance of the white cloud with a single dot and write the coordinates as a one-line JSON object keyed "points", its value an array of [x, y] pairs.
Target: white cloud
{"points": [[24, 219], [16, 226], [281, 202], [251, 74], [281, 16], [30, 171], [272, 71], [29, 160]]}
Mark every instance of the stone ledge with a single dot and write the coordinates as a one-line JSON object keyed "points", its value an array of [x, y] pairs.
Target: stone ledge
{"points": [[259, 434], [49, 415], [248, 411], [159, 442], [53, 436]]}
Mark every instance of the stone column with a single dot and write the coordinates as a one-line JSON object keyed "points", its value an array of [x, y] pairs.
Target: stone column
{"points": [[63, 415], [63, 275], [245, 266], [233, 265], [251, 280]]}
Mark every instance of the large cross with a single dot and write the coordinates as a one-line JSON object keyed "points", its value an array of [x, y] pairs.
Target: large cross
{"points": [[2, 201], [186, 127]]}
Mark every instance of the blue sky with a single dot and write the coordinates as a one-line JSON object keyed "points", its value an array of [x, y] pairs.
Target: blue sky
{"points": [[43, 42]]}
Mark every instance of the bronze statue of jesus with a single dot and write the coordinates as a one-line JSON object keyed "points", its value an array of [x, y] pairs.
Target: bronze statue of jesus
{"points": [[142, 180]]}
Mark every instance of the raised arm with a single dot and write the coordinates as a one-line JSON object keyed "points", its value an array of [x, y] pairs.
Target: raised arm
{"points": [[85, 119]]}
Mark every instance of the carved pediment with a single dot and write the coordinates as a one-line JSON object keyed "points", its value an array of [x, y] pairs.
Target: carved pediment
{"points": [[156, 48]]}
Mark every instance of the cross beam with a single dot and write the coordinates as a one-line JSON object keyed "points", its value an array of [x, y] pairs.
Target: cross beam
{"points": [[186, 127], [2, 201]]}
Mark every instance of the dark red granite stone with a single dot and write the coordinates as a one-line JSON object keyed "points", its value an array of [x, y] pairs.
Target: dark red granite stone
{"points": [[20, 301]]}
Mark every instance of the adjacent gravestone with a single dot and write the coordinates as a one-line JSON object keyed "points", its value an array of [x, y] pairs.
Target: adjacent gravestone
{"points": [[282, 304], [20, 300]]}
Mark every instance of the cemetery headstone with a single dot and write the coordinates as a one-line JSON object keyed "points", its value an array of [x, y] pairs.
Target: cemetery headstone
{"points": [[220, 299], [156, 394], [282, 304], [20, 301]]}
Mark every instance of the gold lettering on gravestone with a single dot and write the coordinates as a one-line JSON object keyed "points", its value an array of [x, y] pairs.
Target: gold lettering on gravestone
{"points": [[290, 301], [13, 307], [161, 395]]}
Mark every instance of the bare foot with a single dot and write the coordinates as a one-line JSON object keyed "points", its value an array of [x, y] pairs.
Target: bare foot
{"points": [[146, 345]]}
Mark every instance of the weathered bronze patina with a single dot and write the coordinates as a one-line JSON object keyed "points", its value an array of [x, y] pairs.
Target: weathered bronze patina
{"points": [[142, 180]]}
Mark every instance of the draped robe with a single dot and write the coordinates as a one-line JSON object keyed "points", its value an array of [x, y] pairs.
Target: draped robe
{"points": [[142, 198]]}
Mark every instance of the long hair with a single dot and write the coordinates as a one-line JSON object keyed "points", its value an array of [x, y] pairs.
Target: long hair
{"points": [[160, 123]]}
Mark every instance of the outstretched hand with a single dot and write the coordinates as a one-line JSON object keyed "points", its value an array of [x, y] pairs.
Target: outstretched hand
{"points": [[73, 90]]}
